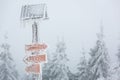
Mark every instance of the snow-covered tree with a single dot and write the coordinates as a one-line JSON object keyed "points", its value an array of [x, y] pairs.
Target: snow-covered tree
{"points": [[72, 76], [57, 69], [83, 71], [118, 55], [116, 70], [99, 62], [7, 67], [46, 68]]}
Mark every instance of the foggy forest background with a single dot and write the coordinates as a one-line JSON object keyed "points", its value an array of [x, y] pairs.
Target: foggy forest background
{"points": [[82, 37], [96, 67]]}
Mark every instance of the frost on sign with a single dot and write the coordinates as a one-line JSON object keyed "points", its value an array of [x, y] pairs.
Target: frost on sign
{"points": [[35, 47], [35, 58], [33, 11], [34, 68]]}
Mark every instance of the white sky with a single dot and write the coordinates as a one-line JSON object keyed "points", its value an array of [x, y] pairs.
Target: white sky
{"points": [[77, 20]]}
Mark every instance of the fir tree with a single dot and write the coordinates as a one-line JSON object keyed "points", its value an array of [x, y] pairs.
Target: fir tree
{"points": [[99, 63], [58, 70], [83, 71], [117, 68], [46, 68], [7, 67], [118, 56]]}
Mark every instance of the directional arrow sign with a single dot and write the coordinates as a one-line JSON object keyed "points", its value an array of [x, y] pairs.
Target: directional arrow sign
{"points": [[34, 68], [35, 58], [24, 59], [35, 47]]}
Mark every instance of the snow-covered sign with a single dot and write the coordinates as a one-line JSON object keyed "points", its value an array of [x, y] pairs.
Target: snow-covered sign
{"points": [[34, 68], [35, 58], [35, 47], [34, 11]]}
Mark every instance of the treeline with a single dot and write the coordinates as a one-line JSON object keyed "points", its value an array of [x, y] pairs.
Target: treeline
{"points": [[96, 68]]}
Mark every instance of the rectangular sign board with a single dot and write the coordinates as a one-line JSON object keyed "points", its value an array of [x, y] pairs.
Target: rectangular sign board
{"points": [[34, 68], [36, 58], [33, 11], [35, 47]]}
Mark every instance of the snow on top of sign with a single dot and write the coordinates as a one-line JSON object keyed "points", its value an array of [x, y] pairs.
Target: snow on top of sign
{"points": [[33, 11]]}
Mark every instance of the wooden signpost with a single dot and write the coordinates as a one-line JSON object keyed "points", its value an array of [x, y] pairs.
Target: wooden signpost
{"points": [[35, 51]]}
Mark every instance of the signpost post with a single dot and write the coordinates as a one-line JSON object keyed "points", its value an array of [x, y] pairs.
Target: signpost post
{"points": [[35, 51]]}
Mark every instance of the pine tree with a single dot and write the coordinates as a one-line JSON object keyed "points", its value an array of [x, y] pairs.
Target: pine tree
{"points": [[117, 68], [83, 71], [58, 70], [99, 63], [46, 68], [118, 55], [72, 76], [7, 67]]}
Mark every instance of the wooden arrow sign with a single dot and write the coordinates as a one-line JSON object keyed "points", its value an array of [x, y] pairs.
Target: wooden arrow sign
{"points": [[34, 68], [35, 47], [35, 58]]}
